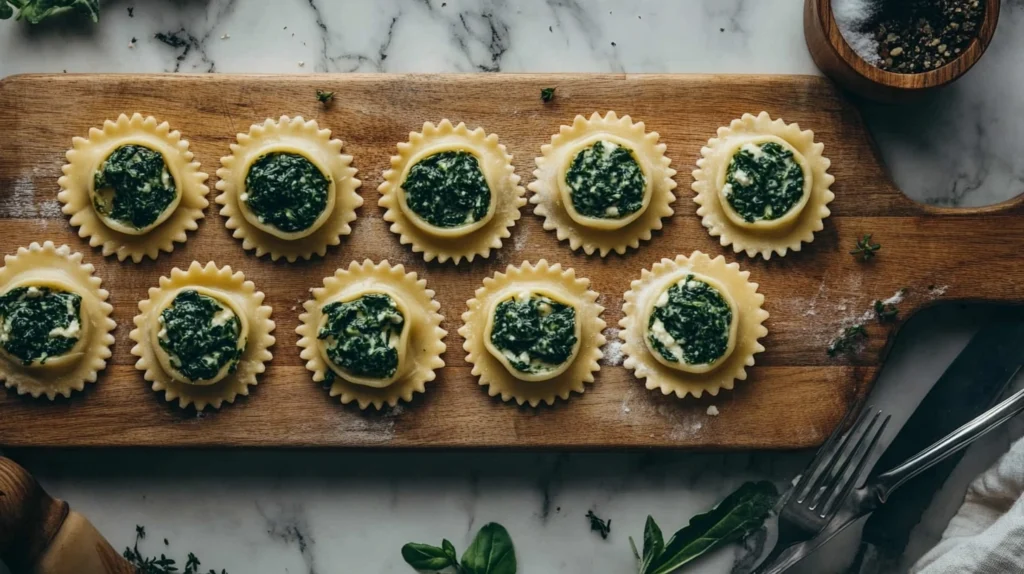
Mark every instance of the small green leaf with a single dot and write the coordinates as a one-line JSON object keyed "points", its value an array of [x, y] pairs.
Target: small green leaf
{"points": [[654, 544], [547, 94], [491, 552], [632, 546], [5, 10], [35, 11], [449, 551], [426, 557]]}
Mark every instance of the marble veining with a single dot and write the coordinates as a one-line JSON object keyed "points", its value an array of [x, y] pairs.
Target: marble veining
{"points": [[329, 512]]}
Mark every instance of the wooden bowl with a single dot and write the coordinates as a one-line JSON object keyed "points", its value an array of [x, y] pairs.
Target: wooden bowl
{"points": [[834, 56]]}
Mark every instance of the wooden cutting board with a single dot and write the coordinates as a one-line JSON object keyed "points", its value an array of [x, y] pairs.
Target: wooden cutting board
{"points": [[793, 397]]}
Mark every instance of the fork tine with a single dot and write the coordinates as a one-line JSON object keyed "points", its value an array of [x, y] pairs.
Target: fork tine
{"points": [[825, 461], [842, 459], [843, 481], [826, 451], [849, 482]]}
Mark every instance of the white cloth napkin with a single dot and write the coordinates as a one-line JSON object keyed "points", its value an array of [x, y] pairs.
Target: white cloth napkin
{"points": [[987, 534]]}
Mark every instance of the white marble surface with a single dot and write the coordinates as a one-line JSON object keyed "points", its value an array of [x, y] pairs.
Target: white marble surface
{"points": [[339, 512]]}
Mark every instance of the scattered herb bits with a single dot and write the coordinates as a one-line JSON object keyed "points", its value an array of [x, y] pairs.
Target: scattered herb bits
{"points": [[161, 564], [547, 94], [324, 97], [602, 527], [865, 249], [847, 340]]}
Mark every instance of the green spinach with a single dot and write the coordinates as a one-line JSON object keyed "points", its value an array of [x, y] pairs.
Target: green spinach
{"points": [[35, 11], [359, 335], [536, 334], [733, 519], [142, 186], [202, 335], [448, 189], [763, 182], [491, 552], [286, 190], [37, 323], [606, 182]]}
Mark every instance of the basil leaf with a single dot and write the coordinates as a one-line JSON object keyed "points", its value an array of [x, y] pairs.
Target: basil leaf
{"points": [[449, 551], [35, 11], [491, 552], [426, 557], [739, 514], [654, 544]]}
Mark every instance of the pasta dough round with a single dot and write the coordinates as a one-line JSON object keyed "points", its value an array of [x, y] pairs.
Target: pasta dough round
{"points": [[768, 232], [478, 234], [552, 193], [90, 208], [296, 139], [233, 292], [57, 269], [421, 341], [745, 328], [493, 367]]}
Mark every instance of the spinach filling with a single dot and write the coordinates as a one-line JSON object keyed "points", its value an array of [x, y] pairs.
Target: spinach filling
{"points": [[690, 323], [606, 182], [763, 182], [535, 334], [362, 335], [37, 323], [200, 335], [448, 189], [286, 191], [133, 186]]}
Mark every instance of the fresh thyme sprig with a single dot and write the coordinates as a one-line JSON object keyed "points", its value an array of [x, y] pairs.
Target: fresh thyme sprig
{"points": [[163, 564], [602, 527], [865, 249], [324, 97], [847, 340], [547, 94]]}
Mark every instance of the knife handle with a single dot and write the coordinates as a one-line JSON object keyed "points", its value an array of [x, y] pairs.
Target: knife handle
{"points": [[888, 482], [40, 534]]}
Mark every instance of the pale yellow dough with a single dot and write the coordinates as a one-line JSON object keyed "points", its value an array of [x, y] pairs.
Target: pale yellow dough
{"points": [[555, 283], [77, 184], [57, 267], [748, 317], [507, 196], [602, 235], [424, 337], [305, 138], [227, 287], [765, 237]]}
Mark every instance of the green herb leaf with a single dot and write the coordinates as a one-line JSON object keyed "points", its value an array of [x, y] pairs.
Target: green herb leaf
{"points": [[602, 527], [847, 341], [654, 544], [741, 513], [491, 552], [35, 11], [864, 248], [547, 94], [426, 557], [324, 97], [449, 551]]}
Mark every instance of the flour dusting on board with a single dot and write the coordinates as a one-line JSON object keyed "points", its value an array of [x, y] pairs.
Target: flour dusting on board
{"points": [[21, 202], [374, 427], [613, 348]]}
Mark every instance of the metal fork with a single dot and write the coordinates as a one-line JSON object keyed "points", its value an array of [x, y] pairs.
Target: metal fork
{"points": [[828, 480]]}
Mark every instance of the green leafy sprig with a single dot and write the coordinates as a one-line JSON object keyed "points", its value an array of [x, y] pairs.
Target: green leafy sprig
{"points": [[865, 249], [847, 340], [35, 11], [602, 527], [163, 564], [547, 94], [491, 552], [324, 97], [733, 519]]}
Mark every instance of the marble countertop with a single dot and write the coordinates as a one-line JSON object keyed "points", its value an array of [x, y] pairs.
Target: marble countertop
{"points": [[331, 512]]}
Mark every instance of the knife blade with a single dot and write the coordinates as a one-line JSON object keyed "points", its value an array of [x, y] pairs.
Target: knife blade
{"points": [[969, 386]]}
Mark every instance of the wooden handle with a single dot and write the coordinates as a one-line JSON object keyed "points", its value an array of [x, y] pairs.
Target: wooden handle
{"points": [[39, 533]]}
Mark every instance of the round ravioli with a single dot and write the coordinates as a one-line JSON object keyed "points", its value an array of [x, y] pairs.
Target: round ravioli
{"points": [[203, 335], [603, 184], [763, 186], [132, 187], [55, 325], [533, 333], [691, 325], [451, 193], [372, 334], [287, 190]]}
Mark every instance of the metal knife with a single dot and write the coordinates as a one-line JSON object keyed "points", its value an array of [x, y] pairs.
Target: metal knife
{"points": [[969, 386]]}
